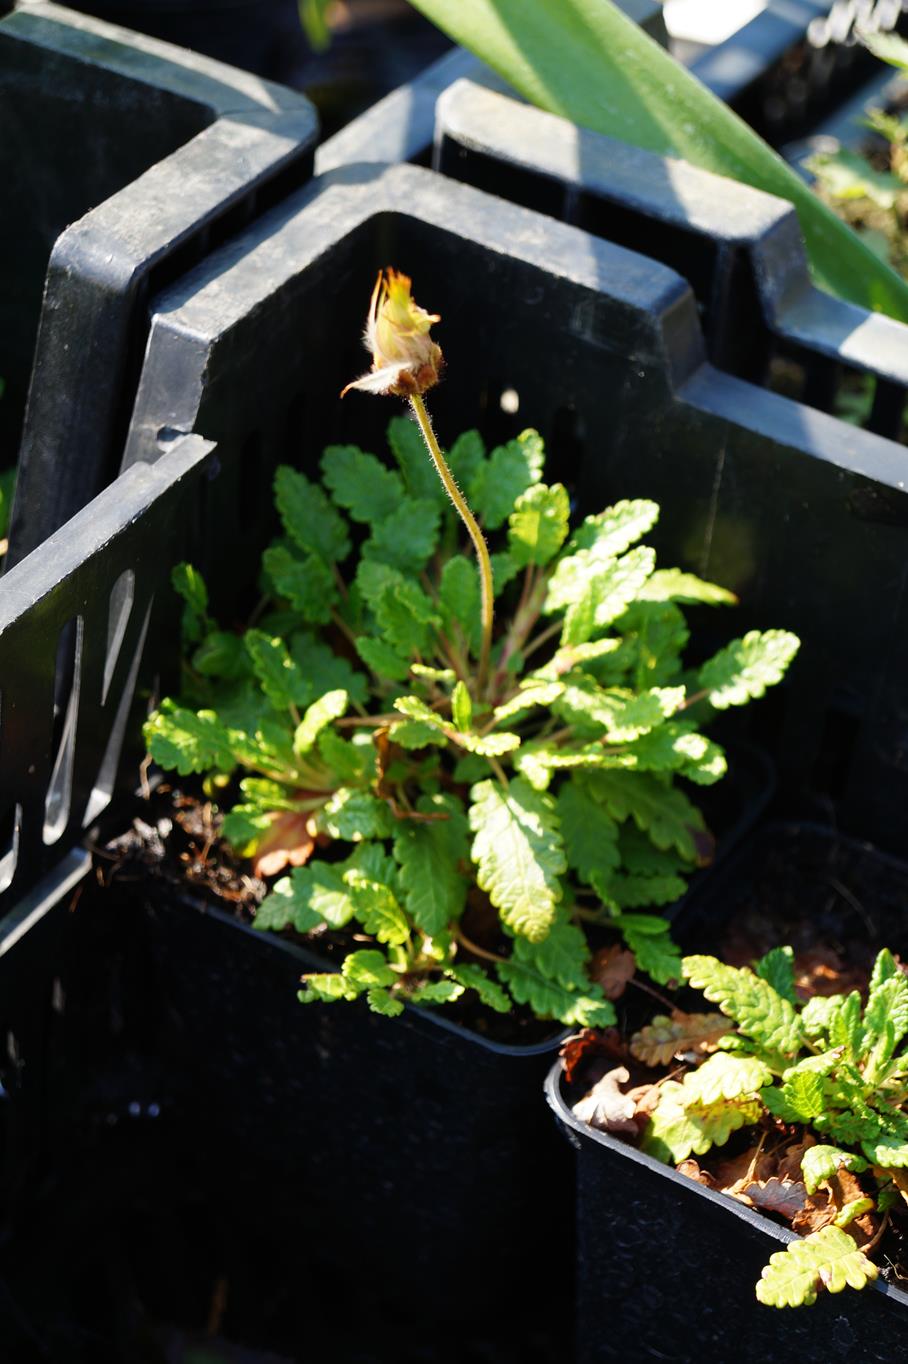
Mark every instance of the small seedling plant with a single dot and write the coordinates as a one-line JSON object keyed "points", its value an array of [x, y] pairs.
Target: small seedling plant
{"points": [[465, 766], [823, 1084]]}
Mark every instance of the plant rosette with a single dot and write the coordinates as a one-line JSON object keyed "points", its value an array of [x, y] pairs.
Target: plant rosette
{"points": [[794, 1106], [466, 768]]}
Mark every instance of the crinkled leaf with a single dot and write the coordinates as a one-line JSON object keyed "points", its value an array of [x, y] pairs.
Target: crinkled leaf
{"points": [[612, 531], [361, 484], [475, 978], [278, 674], [654, 635], [666, 1037], [437, 992], [777, 967], [188, 741], [589, 832], [329, 707], [460, 597], [323, 670], [244, 827], [744, 669], [800, 1099], [309, 896], [755, 1006], [529, 696], [430, 855], [375, 906], [633, 891], [384, 661], [649, 938], [683, 1123], [596, 594], [189, 584], [221, 654], [661, 811], [538, 525], [518, 854], [887, 1011], [367, 968], [828, 1258], [381, 1002], [510, 471], [326, 987], [561, 956], [547, 999], [406, 538], [353, 815], [820, 1163], [307, 584], [308, 516], [675, 747], [671, 584]]}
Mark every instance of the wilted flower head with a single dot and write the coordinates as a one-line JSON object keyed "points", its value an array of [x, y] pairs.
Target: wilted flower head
{"points": [[405, 359]]}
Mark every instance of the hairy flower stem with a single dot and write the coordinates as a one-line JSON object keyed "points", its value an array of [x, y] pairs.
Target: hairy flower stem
{"points": [[475, 534]]}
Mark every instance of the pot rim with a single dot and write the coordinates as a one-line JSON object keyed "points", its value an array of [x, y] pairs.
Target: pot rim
{"points": [[581, 1131]]}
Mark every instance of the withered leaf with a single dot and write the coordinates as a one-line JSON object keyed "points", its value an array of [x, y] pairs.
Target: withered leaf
{"points": [[784, 1196], [665, 1037], [691, 1169], [612, 968], [606, 1107], [735, 1171], [288, 842], [789, 1159], [589, 1043], [646, 1099]]}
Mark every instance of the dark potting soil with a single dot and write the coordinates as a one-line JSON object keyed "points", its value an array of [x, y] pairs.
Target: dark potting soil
{"points": [[174, 838]]}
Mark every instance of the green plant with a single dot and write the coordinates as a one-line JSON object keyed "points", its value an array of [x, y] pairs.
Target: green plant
{"points": [[872, 198], [379, 719], [587, 61], [832, 1065]]}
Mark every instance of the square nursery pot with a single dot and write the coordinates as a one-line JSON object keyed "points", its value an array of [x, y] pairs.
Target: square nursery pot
{"points": [[786, 73], [92, 588], [125, 160], [193, 1015], [740, 249], [665, 1267]]}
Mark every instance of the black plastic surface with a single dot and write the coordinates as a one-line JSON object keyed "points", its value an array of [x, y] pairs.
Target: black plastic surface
{"points": [[740, 249], [143, 157], [75, 620]]}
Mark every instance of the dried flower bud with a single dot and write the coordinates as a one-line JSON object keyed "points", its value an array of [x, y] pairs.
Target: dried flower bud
{"points": [[405, 359]]}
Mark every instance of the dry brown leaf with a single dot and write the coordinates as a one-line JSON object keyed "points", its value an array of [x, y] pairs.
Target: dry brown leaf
{"points": [[735, 1171], [646, 1099], [288, 842], [692, 1170], [606, 1106], [790, 1157], [818, 1211], [588, 1043], [612, 968], [784, 1196], [665, 1037]]}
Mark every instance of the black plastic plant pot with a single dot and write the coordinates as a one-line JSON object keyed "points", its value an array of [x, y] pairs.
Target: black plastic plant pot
{"points": [[143, 157], [666, 1268], [406, 1161], [740, 249]]}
